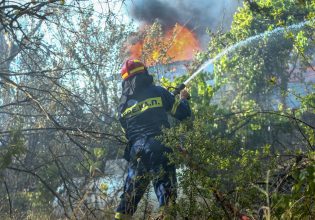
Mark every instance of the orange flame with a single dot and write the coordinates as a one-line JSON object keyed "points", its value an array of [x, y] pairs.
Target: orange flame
{"points": [[177, 44]]}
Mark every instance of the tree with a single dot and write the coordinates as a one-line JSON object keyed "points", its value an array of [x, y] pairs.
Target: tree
{"points": [[256, 70], [246, 154], [58, 96]]}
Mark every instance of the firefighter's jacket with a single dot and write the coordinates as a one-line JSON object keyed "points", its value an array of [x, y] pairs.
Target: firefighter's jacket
{"points": [[145, 113]]}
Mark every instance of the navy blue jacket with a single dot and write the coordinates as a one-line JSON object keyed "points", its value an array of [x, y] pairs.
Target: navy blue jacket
{"points": [[145, 113]]}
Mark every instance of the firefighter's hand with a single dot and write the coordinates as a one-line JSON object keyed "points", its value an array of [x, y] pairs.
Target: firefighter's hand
{"points": [[184, 94]]}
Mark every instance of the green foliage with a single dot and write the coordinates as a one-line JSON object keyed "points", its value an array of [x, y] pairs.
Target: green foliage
{"points": [[216, 160], [231, 154], [299, 203], [308, 102], [245, 141], [13, 150], [264, 67]]}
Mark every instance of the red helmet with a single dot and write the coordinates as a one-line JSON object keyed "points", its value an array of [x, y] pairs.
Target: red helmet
{"points": [[132, 67]]}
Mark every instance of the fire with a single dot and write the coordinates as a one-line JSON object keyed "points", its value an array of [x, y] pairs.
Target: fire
{"points": [[183, 43], [177, 44]]}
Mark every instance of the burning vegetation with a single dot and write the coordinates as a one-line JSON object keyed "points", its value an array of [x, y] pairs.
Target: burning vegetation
{"points": [[157, 46]]}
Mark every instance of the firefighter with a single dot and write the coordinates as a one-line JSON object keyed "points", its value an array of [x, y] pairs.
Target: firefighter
{"points": [[143, 112]]}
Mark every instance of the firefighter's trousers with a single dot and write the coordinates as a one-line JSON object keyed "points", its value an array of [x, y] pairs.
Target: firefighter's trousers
{"points": [[148, 161]]}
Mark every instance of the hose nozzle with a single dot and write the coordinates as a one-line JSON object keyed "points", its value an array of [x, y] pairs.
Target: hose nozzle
{"points": [[179, 88]]}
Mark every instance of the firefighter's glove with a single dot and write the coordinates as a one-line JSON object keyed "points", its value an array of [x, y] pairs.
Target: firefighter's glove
{"points": [[184, 94]]}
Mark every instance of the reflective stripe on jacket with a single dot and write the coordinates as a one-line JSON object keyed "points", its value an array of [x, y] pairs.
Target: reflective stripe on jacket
{"points": [[145, 113]]}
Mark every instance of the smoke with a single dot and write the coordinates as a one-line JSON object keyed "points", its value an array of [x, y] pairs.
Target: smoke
{"points": [[197, 15]]}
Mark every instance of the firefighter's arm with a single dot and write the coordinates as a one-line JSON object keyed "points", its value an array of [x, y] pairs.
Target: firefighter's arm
{"points": [[179, 108]]}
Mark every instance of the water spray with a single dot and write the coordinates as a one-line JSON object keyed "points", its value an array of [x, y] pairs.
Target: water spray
{"points": [[242, 43]]}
